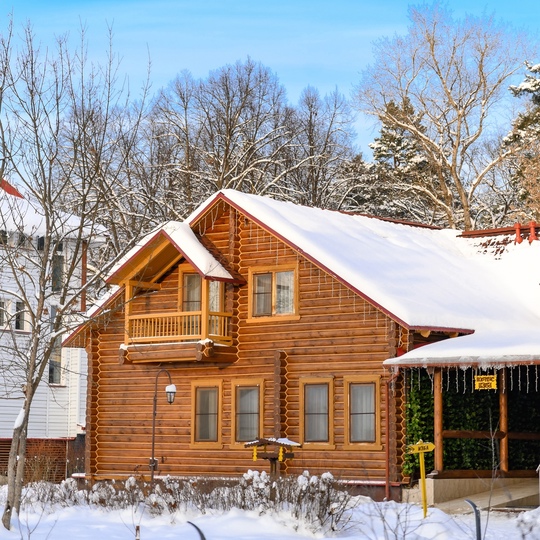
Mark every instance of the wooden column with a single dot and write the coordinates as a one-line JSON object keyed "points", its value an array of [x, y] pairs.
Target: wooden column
{"points": [[205, 307], [503, 419], [438, 418]]}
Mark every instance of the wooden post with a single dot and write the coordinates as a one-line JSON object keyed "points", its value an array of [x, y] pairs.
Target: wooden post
{"points": [[438, 419], [503, 420], [205, 307]]}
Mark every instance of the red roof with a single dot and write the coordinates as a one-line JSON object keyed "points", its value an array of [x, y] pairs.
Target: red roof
{"points": [[8, 188]]}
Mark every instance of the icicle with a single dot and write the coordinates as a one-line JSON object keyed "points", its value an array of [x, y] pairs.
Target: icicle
{"points": [[536, 376], [519, 378], [511, 379]]}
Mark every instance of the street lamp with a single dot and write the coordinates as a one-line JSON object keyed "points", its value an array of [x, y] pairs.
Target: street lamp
{"points": [[170, 390]]}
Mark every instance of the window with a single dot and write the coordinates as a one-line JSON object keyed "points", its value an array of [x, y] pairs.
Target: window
{"points": [[191, 297], [55, 363], [317, 410], [363, 396], [19, 316], [247, 406], [3, 314], [273, 292], [57, 279], [206, 414], [215, 296]]}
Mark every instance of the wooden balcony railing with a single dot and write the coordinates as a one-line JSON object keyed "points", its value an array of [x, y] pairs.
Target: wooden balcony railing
{"points": [[181, 326]]}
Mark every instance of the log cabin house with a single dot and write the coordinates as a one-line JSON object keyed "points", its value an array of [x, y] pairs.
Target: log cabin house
{"points": [[277, 322]]}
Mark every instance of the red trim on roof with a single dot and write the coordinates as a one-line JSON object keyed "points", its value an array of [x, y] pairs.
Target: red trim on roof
{"points": [[494, 232], [8, 188]]}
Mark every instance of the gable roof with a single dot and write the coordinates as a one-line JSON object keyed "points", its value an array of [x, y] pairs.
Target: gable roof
{"points": [[421, 277], [156, 249]]}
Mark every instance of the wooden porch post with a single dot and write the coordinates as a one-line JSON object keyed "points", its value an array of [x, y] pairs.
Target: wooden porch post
{"points": [[205, 307], [503, 419], [438, 419]]}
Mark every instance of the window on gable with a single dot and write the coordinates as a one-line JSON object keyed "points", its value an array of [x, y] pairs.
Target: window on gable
{"points": [[191, 296], [247, 405], [3, 314], [215, 296], [363, 411], [316, 397], [206, 414], [273, 293]]}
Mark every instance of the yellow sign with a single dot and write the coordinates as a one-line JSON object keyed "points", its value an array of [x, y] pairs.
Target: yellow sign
{"points": [[485, 382], [420, 447]]}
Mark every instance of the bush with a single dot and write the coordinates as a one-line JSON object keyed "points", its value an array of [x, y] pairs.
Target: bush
{"points": [[318, 502]]}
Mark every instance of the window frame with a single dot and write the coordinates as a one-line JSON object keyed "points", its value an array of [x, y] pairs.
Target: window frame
{"points": [[273, 270], [206, 384], [245, 383], [348, 381], [307, 381]]}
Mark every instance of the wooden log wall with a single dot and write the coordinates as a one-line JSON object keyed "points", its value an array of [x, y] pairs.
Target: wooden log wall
{"points": [[338, 334]]}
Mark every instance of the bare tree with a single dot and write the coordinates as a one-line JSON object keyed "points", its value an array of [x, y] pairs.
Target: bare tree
{"points": [[59, 126], [455, 76], [323, 142]]}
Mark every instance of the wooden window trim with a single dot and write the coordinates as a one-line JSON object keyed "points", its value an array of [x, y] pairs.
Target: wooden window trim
{"points": [[362, 379], [247, 383], [207, 383], [305, 381], [273, 270]]}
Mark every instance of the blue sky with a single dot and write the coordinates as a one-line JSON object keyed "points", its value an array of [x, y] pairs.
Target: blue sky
{"points": [[322, 43]]}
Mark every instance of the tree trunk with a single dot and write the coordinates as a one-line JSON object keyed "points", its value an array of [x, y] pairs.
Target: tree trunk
{"points": [[16, 466]]}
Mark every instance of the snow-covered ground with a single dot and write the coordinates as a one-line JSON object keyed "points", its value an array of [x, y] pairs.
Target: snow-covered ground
{"points": [[369, 520]]}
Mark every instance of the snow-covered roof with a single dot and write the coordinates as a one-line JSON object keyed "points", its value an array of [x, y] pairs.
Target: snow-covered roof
{"points": [[185, 242], [19, 214], [421, 277]]}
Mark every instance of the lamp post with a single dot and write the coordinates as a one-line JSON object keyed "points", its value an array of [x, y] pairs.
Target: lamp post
{"points": [[170, 390]]}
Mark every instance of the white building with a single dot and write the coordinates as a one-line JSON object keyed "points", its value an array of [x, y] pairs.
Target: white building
{"points": [[57, 417]]}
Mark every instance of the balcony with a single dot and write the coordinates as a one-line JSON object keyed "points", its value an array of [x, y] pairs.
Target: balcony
{"points": [[188, 326]]}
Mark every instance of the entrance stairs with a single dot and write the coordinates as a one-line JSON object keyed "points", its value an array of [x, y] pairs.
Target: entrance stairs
{"points": [[523, 494]]}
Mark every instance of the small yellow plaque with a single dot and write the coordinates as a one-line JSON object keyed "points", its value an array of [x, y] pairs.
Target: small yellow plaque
{"points": [[485, 382]]}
